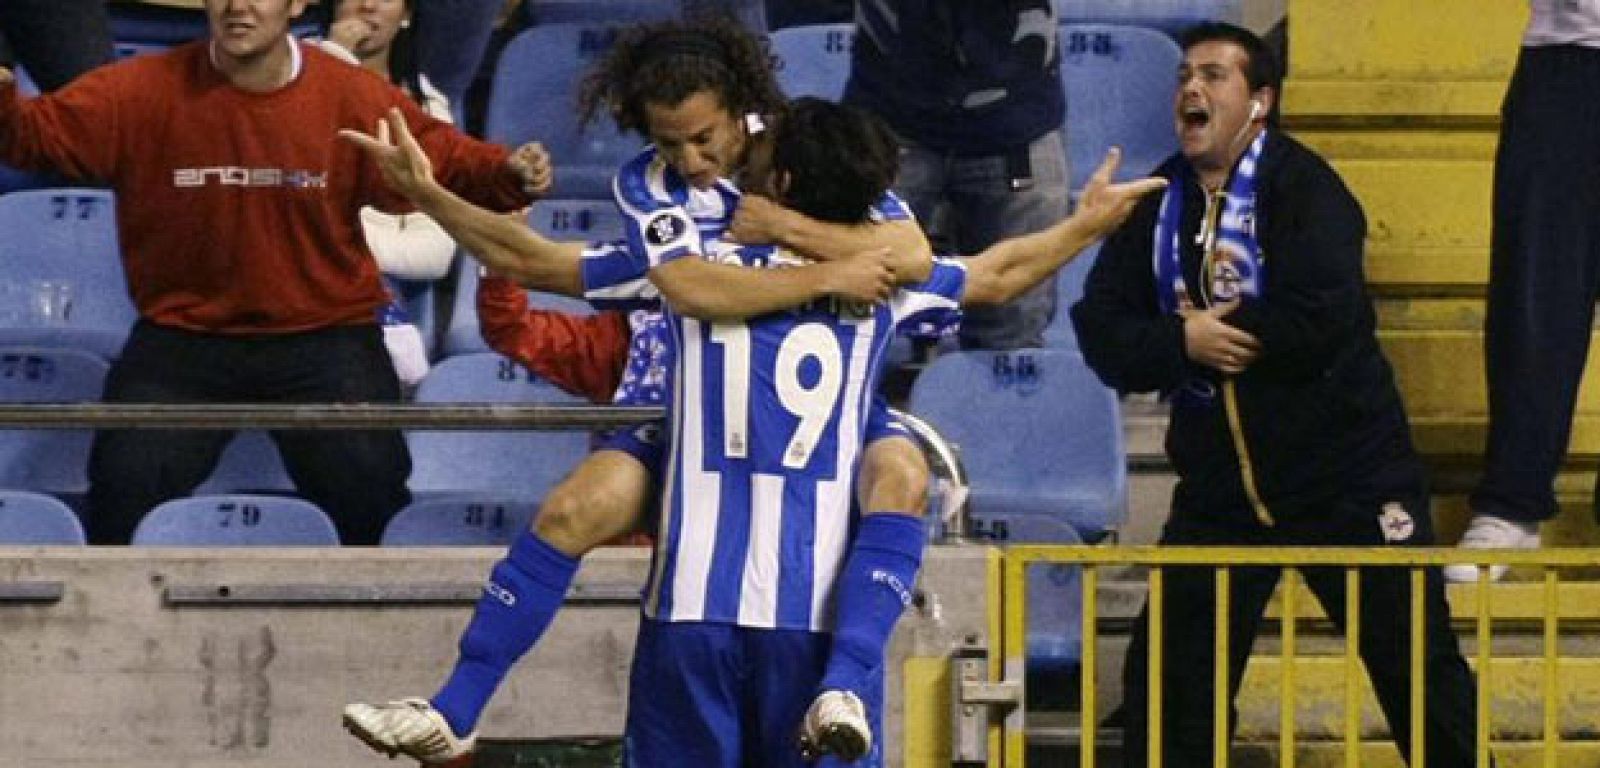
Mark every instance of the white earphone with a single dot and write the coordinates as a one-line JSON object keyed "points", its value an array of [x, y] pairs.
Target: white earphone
{"points": [[1255, 109]]}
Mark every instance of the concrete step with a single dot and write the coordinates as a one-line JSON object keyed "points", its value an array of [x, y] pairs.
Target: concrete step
{"points": [[1053, 743], [1516, 706]]}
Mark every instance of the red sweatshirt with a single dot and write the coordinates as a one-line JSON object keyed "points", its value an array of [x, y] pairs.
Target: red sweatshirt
{"points": [[582, 355], [238, 211]]}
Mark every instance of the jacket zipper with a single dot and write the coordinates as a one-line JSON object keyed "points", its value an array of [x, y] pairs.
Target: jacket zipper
{"points": [[1230, 396], [1247, 472]]}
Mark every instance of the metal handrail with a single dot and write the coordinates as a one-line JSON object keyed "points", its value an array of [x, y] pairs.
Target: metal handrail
{"points": [[321, 416]]}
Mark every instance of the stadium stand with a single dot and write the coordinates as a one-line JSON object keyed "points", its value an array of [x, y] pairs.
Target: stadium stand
{"points": [[1169, 16], [249, 464], [534, 96], [813, 60], [34, 518], [587, 220], [519, 464], [65, 236], [235, 520], [1069, 289], [1118, 81], [50, 461], [1041, 439], [480, 520]]}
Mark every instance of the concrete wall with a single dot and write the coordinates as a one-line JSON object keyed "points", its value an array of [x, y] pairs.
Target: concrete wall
{"points": [[121, 672]]}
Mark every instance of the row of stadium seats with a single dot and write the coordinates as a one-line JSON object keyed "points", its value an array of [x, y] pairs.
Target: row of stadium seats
{"points": [[223, 520], [1041, 437]]}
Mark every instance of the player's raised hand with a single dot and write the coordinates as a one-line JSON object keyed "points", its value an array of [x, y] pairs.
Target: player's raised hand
{"points": [[1103, 206], [864, 277], [6, 78], [532, 162], [405, 167], [758, 221]]}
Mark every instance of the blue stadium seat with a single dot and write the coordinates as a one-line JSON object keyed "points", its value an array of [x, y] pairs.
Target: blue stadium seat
{"points": [[68, 235], [236, 520], [420, 300], [52, 461], [1041, 439], [1169, 16], [522, 464], [598, 11], [249, 464], [1055, 623], [534, 97], [586, 220], [34, 518], [468, 521], [1119, 83], [813, 60], [1069, 289]]}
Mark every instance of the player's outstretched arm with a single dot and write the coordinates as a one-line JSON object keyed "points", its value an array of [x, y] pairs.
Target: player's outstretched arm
{"points": [[760, 220], [719, 292], [1004, 270], [502, 243]]}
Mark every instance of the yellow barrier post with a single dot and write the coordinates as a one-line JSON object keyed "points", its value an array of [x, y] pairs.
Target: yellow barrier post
{"points": [[1286, 684], [1219, 680], [1552, 656], [1485, 661], [1352, 668], [1087, 722], [1157, 617], [1419, 644], [1014, 662]]}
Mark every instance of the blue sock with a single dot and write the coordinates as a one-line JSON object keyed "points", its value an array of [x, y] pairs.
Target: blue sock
{"points": [[523, 594], [873, 590]]}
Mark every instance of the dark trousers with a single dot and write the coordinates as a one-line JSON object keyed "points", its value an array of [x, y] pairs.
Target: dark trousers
{"points": [[1544, 275], [1189, 604], [358, 477]]}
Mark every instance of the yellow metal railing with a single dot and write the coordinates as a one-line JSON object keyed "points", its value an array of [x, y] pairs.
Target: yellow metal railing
{"points": [[1013, 623]]}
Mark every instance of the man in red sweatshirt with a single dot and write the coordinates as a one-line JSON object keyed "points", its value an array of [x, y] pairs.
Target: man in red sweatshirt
{"points": [[242, 244]]}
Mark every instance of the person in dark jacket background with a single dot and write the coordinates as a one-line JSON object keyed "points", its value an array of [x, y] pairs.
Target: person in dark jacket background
{"points": [[1240, 296]]}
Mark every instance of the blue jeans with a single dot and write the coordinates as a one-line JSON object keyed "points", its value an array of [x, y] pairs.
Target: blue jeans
{"points": [[57, 40], [970, 203]]}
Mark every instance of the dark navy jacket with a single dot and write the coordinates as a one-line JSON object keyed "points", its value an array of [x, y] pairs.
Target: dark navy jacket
{"points": [[971, 77]]}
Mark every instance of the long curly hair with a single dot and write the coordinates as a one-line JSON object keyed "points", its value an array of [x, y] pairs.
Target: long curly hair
{"points": [[668, 61]]}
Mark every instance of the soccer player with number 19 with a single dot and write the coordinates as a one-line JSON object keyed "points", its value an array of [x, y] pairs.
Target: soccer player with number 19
{"points": [[757, 565]]}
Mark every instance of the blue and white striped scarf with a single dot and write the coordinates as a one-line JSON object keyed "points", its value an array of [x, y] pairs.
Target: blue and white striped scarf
{"points": [[1232, 265]]}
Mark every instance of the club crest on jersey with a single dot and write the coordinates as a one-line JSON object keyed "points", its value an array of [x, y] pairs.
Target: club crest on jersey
{"points": [[665, 228], [1396, 523]]}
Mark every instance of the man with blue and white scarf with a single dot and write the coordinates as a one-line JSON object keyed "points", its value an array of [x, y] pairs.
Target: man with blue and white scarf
{"points": [[1239, 296]]}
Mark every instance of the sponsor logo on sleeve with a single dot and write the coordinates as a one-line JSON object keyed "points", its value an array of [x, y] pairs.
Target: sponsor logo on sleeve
{"points": [[665, 228]]}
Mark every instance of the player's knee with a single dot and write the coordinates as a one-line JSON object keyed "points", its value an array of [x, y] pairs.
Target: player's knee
{"points": [[578, 519], [562, 522], [899, 479]]}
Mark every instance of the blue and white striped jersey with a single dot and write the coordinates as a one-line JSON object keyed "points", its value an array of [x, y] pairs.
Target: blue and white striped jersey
{"points": [[766, 422]]}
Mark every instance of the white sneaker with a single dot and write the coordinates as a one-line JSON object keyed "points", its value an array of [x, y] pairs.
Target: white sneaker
{"points": [[409, 727], [836, 724], [1490, 532]]}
